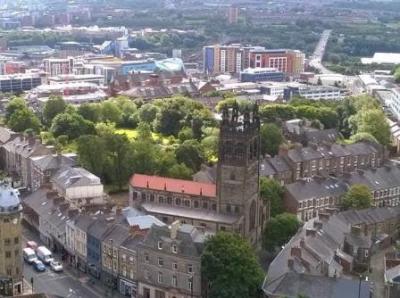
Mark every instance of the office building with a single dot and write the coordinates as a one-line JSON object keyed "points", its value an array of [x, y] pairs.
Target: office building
{"points": [[57, 66], [261, 74], [18, 83], [233, 14]]}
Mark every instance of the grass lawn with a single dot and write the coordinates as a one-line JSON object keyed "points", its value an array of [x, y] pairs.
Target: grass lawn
{"points": [[133, 134]]}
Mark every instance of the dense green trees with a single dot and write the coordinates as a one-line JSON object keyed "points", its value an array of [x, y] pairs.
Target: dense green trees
{"points": [[230, 267], [357, 197], [272, 193], [271, 139], [19, 117], [71, 125], [279, 230], [53, 107]]}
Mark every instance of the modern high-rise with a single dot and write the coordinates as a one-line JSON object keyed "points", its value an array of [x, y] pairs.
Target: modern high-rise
{"points": [[233, 59], [290, 62], [233, 14], [10, 241]]}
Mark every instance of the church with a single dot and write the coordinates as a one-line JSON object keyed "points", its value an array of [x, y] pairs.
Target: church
{"points": [[232, 204]]}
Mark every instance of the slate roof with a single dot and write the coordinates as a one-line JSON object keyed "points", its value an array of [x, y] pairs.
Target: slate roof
{"points": [[321, 136], [189, 239], [144, 222], [83, 222], [174, 185], [203, 215], [292, 284], [72, 177], [118, 233], [316, 188], [7, 134], [303, 154], [53, 161]]}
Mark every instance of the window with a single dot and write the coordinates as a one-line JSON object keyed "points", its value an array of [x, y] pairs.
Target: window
{"points": [[160, 262], [143, 196], [7, 241], [177, 201], [196, 204], [135, 195], [159, 245], [147, 275], [131, 259], [228, 208], [237, 210], [187, 203], [174, 248], [222, 229], [16, 240], [161, 199], [131, 274], [169, 201], [190, 283], [9, 271], [175, 266], [190, 268], [174, 281], [8, 254], [16, 252], [124, 257], [214, 206], [160, 277], [205, 205], [151, 197], [146, 258]]}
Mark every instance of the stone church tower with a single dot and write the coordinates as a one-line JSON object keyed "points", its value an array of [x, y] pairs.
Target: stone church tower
{"points": [[238, 171]]}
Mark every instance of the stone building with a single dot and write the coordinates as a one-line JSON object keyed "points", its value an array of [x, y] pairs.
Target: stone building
{"points": [[232, 204], [10, 242], [170, 262]]}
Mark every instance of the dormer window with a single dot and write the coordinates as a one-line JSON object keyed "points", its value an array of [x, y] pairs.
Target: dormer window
{"points": [[159, 245]]}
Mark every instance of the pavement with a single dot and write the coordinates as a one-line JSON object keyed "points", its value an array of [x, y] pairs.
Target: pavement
{"points": [[71, 283]]}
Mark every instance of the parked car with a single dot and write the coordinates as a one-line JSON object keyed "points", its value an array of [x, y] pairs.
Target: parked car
{"points": [[39, 266], [31, 244], [44, 254], [56, 266], [29, 255]]}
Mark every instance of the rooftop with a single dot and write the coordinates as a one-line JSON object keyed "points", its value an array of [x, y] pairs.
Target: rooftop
{"points": [[9, 199], [173, 185]]}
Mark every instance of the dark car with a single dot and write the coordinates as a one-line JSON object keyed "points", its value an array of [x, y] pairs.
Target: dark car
{"points": [[39, 266]]}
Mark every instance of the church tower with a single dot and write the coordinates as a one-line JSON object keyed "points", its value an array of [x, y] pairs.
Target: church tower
{"points": [[238, 171]]}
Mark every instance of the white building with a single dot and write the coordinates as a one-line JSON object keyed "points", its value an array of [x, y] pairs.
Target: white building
{"points": [[78, 186], [395, 102], [382, 58]]}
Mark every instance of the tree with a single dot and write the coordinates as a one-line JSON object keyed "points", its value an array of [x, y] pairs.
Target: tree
{"points": [[54, 106], [119, 158], [16, 104], [271, 138], [363, 136], [148, 112], [92, 153], [357, 197], [71, 125], [110, 112], [373, 122], [168, 121], [180, 171], [279, 230], [90, 111], [145, 157], [271, 191], [230, 267], [190, 154], [23, 119]]}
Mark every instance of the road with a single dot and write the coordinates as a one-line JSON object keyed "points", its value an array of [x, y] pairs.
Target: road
{"points": [[69, 284], [316, 58]]}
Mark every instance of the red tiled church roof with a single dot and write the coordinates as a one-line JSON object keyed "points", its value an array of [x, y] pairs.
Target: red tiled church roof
{"points": [[174, 185]]}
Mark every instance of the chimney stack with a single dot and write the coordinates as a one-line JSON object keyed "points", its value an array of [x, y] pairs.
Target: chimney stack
{"points": [[174, 228]]}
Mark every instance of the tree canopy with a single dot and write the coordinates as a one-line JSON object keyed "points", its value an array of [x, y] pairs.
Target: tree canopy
{"points": [[357, 197], [230, 267], [279, 230], [271, 138], [272, 192]]}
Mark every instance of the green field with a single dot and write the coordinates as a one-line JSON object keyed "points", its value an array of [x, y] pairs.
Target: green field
{"points": [[132, 134]]}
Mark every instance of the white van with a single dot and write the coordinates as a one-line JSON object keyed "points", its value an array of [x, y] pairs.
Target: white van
{"points": [[29, 255], [44, 254]]}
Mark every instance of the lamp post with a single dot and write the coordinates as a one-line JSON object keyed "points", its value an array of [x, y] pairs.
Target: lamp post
{"points": [[359, 286]]}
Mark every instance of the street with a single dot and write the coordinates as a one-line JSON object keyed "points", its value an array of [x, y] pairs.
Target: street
{"points": [[316, 58], [69, 283]]}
